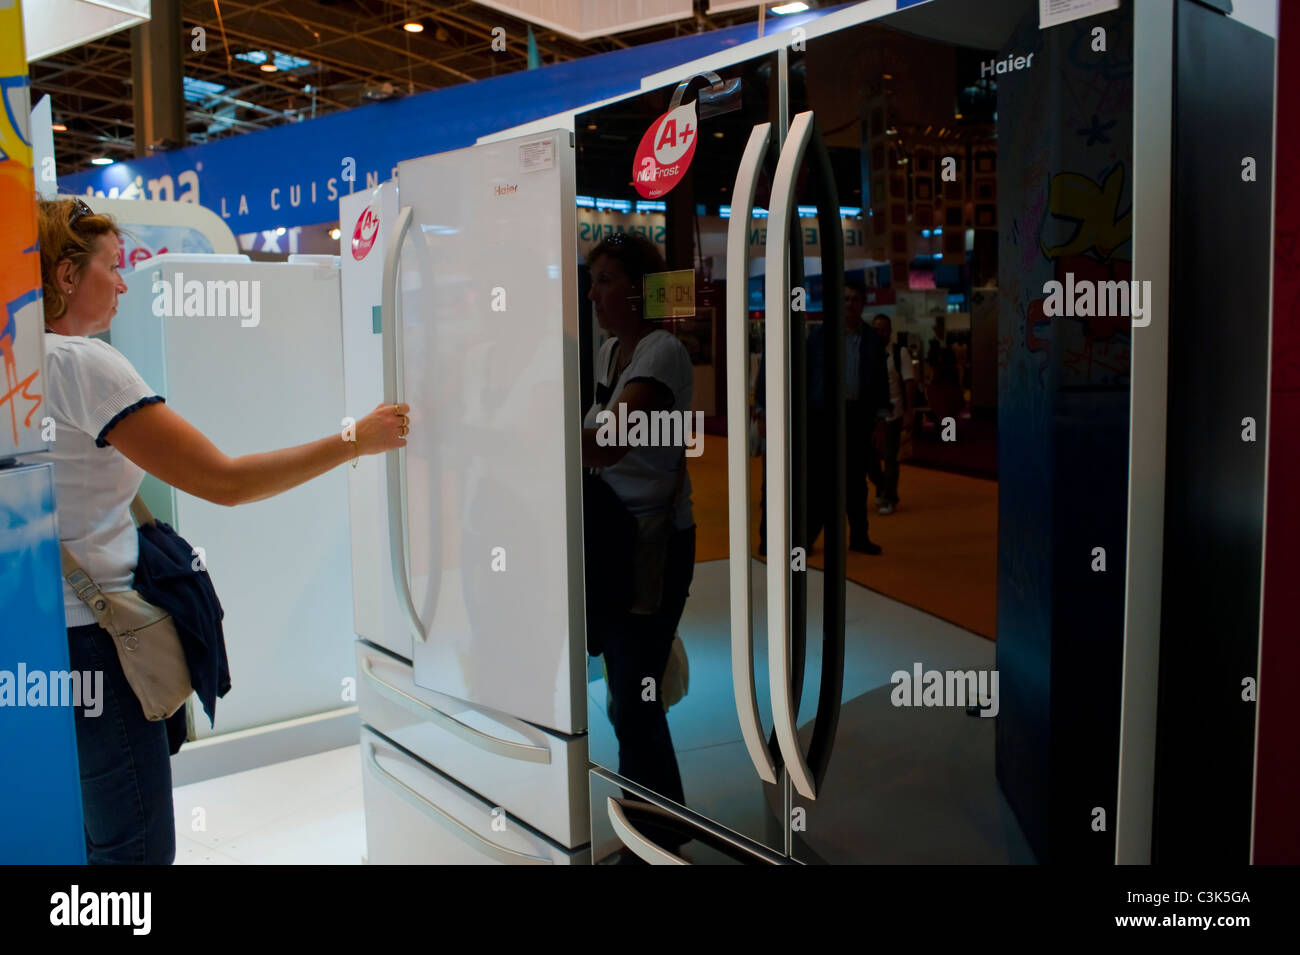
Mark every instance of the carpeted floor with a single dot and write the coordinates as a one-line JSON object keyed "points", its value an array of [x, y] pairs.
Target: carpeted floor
{"points": [[940, 546]]}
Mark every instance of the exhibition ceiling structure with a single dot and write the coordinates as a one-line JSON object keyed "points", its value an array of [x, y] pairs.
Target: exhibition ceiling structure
{"points": [[246, 65]]}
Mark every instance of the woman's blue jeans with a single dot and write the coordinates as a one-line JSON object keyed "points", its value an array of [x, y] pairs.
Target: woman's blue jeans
{"points": [[126, 770], [637, 648]]}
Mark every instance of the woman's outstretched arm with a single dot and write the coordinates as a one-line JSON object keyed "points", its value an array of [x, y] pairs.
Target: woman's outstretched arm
{"points": [[163, 443]]}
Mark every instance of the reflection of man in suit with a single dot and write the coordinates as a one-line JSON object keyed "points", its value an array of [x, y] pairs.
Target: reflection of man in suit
{"points": [[866, 399], [866, 395]]}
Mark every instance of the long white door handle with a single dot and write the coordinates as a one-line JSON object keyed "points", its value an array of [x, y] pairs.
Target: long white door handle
{"points": [[777, 338], [742, 624], [391, 332]]}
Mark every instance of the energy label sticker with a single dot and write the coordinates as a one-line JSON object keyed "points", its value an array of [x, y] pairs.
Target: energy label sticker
{"points": [[537, 155]]}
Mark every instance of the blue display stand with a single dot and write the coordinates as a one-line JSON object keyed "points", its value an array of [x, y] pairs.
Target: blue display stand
{"points": [[40, 801]]}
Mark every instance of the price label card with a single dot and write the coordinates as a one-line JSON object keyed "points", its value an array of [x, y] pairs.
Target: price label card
{"points": [[1054, 12]]}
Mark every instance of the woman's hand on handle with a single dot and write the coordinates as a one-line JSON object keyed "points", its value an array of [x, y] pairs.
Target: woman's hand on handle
{"points": [[384, 429]]}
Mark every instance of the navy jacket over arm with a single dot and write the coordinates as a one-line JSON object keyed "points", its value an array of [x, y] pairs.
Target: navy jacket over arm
{"points": [[165, 577]]}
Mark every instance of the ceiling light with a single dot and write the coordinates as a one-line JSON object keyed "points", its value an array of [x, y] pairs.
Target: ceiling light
{"points": [[101, 161], [591, 125], [281, 231], [783, 8], [59, 127], [413, 26], [335, 233], [269, 68], [717, 134]]}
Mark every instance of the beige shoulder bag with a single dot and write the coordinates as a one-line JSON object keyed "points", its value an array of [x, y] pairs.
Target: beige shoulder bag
{"points": [[148, 645]]}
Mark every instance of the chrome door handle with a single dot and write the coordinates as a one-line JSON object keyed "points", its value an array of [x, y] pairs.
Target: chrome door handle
{"points": [[776, 338], [742, 623], [449, 822], [393, 461], [491, 744], [627, 833]]}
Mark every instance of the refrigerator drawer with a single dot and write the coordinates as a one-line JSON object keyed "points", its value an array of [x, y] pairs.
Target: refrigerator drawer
{"points": [[417, 816], [628, 829], [538, 776]]}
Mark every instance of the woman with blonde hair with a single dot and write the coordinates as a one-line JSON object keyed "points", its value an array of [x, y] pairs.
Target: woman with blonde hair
{"points": [[110, 428]]}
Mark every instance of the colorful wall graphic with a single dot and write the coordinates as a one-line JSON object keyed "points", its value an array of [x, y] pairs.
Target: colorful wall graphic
{"points": [[1064, 200], [22, 350], [40, 801]]}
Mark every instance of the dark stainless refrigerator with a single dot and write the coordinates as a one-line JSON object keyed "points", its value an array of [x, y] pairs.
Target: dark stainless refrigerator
{"points": [[974, 170]]}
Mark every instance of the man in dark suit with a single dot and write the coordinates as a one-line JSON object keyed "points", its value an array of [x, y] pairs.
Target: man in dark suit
{"points": [[866, 400], [866, 393]]}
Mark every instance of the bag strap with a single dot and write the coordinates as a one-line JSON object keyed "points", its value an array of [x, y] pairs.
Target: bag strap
{"points": [[141, 512], [84, 586]]}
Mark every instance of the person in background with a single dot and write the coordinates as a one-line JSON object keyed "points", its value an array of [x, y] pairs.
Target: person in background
{"points": [[647, 369], [902, 396], [934, 350], [110, 429], [945, 393], [866, 401]]}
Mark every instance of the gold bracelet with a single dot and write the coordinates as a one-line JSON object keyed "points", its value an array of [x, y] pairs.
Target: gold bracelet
{"points": [[356, 453]]}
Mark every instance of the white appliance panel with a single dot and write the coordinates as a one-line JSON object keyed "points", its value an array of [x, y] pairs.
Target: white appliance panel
{"points": [[368, 217], [280, 566], [490, 367]]}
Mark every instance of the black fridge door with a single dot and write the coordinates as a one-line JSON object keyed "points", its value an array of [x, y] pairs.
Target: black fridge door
{"points": [[711, 749], [977, 159]]}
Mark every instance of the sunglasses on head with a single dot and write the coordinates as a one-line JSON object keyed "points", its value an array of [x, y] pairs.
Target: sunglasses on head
{"points": [[79, 211]]}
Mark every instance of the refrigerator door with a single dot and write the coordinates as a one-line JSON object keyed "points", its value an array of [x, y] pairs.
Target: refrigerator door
{"points": [[491, 473], [366, 220], [983, 153], [717, 736]]}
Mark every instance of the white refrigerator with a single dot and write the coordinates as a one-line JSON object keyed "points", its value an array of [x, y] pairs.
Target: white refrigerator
{"points": [[471, 655]]}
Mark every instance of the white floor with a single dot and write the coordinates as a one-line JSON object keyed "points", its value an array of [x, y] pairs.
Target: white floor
{"points": [[301, 812]]}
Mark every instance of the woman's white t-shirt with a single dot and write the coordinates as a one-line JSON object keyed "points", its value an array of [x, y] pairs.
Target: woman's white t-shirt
{"points": [[89, 387], [645, 478]]}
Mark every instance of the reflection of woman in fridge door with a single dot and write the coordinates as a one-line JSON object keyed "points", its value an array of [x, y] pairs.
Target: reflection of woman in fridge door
{"points": [[110, 428], [645, 369]]}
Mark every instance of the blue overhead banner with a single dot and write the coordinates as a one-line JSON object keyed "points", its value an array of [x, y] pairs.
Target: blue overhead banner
{"points": [[294, 175]]}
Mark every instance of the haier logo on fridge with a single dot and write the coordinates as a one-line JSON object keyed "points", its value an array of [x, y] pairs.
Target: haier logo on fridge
{"points": [[504, 190], [365, 233], [665, 153]]}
